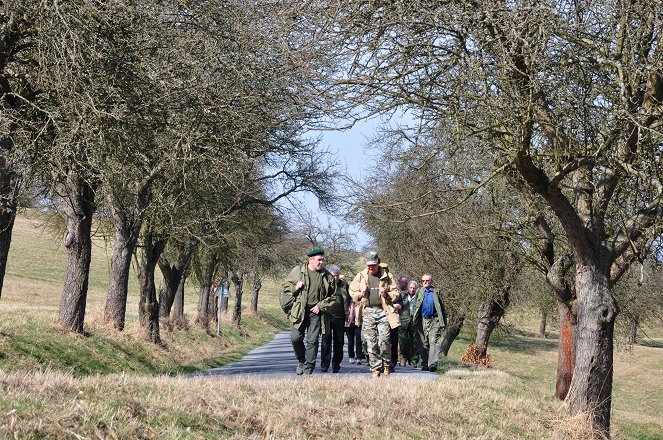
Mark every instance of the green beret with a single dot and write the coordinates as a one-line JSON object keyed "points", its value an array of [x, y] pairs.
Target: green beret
{"points": [[314, 252]]}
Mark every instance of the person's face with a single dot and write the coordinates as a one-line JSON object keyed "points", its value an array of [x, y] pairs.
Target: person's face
{"points": [[373, 269], [403, 283], [426, 281], [316, 262], [411, 288], [337, 276]]}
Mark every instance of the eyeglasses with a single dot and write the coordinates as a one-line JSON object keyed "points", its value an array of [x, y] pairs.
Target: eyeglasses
{"points": [[425, 281]]}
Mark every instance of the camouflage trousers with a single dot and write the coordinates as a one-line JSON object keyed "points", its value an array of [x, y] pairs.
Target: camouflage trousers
{"points": [[376, 331]]}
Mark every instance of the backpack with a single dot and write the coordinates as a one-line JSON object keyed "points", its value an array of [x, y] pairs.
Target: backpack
{"points": [[286, 302]]}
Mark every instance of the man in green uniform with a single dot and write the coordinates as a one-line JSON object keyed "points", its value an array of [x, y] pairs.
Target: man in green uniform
{"points": [[407, 334], [332, 339], [313, 289]]}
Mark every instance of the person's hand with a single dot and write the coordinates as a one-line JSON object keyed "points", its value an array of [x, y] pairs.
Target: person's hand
{"points": [[397, 307], [315, 310], [383, 292], [300, 285]]}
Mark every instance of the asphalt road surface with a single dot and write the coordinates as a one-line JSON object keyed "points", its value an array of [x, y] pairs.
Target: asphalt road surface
{"points": [[276, 360]]}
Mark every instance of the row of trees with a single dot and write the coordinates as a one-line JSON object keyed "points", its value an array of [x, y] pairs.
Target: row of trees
{"points": [[182, 125], [178, 127], [563, 99]]}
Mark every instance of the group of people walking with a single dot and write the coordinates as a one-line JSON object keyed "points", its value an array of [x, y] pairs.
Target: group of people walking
{"points": [[376, 314]]}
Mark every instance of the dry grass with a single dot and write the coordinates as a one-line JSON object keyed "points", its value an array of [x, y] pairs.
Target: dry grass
{"points": [[460, 405], [59, 398]]}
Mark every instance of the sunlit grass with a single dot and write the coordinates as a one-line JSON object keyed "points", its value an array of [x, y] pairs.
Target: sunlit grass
{"points": [[58, 385]]}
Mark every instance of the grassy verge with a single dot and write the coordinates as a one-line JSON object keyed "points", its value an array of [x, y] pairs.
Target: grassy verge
{"points": [[109, 384]]}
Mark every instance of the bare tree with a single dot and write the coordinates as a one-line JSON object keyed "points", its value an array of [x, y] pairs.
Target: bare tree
{"points": [[566, 95]]}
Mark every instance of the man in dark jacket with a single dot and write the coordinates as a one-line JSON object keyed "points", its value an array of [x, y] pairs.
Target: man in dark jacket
{"points": [[313, 290], [407, 334], [430, 318], [332, 340]]}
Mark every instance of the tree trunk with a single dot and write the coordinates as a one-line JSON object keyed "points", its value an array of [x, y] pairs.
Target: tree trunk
{"points": [[203, 315], [8, 195], [177, 314], [543, 323], [591, 387], [126, 236], [79, 206], [634, 323], [453, 330], [255, 292], [148, 306], [566, 353], [237, 311], [173, 274], [489, 316]]}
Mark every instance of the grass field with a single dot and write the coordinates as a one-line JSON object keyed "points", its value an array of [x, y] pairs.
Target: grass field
{"points": [[117, 385]]}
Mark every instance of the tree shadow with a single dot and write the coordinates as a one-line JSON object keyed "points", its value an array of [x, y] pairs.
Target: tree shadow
{"points": [[652, 343]]}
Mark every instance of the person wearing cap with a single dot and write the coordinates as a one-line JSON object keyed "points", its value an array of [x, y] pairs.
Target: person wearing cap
{"points": [[314, 292], [430, 318], [376, 289], [332, 339]]}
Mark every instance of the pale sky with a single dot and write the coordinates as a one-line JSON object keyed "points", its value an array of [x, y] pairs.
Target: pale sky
{"points": [[351, 153]]}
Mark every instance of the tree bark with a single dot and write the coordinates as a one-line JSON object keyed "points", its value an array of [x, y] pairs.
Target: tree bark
{"points": [[148, 306], [255, 292], [543, 323], [566, 353], [452, 332], [177, 313], [591, 387], [489, 316], [633, 325], [8, 196], [79, 206], [173, 274], [203, 315], [126, 236], [238, 280]]}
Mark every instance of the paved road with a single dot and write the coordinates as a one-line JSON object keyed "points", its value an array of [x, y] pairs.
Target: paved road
{"points": [[276, 360]]}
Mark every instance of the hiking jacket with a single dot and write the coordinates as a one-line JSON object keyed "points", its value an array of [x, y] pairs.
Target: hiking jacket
{"points": [[439, 306], [387, 281], [297, 313]]}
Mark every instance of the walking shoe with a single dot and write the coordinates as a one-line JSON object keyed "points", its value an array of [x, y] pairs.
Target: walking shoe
{"points": [[414, 366], [336, 370], [387, 370], [424, 368], [375, 373], [358, 361], [324, 370], [300, 369], [432, 368], [352, 360]]}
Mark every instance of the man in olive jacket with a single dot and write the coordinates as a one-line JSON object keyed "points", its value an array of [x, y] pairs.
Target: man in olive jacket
{"points": [[313, 290], [429, 318]]}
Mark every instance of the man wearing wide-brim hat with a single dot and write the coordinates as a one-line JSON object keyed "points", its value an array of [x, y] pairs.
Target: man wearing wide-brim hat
{"points": [[313, 290]]}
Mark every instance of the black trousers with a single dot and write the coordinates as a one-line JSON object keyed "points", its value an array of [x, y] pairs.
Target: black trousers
{"points": [[353, 334], [393, 338], [332, 341]]}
